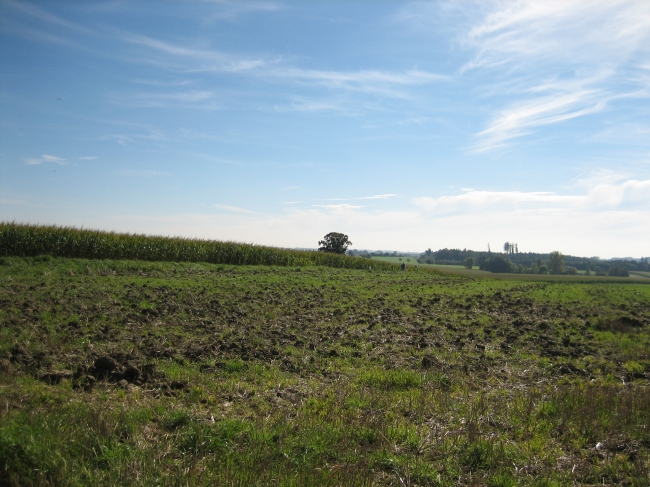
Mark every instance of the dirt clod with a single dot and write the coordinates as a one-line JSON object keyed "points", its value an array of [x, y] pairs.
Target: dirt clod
{"points": [[56, 376]]}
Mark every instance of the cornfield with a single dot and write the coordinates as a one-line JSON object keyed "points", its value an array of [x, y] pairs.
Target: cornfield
{"points": [[24, 240]]}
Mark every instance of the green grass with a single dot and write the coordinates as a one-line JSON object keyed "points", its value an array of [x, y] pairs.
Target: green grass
{"points": [[640, 273], [475, 272], [266, 375], [411, 261]]}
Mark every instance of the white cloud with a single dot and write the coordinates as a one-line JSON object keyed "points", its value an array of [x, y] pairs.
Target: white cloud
{"points": [[302, 104], [339, 208], [374, 197], [488, 201], [11, 202], [138, 172], [604, 192], [378, 197], [46, 158], [87, 158], [235, 209], [563, 59], [630, 193]]}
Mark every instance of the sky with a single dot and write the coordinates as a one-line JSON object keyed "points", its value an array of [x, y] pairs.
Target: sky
{"points": [[405, 125]]}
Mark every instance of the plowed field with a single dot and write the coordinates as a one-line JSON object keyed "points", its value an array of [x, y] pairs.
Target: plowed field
{"points": [[134, 373]]}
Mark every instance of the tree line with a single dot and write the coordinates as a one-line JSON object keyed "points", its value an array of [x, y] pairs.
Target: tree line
{"points": [[508, 261], [512, 260]]}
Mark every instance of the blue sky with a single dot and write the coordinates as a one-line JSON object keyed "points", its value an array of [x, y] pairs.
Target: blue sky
{"points": [[405, 125]]}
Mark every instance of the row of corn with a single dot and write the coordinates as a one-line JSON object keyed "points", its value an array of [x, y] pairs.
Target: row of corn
{"points": [[24, 240]]}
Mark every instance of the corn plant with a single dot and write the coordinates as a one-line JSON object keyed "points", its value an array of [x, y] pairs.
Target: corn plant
{"points": [[24, 240]]}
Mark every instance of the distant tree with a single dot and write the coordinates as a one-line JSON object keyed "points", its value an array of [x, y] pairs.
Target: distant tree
{"points": [[543, 269], [469, 262], [335, 243], [572, 271], [587, 271], [618, 271], [556, 262], [520, 268], [534, 268], [408, 259], [510, 248], [400, 259], [427, 257], [497, 264]]}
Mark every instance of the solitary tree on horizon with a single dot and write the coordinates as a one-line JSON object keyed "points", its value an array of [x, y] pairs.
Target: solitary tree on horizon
{"points": [[335, 243]]}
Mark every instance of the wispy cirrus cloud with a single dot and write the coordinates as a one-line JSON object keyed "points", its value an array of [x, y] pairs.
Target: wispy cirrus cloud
{"points": [[523, 117], [46, 158], [124, 139], [230, 10], [47, 17], [529, 32], [377, 82], [204, 99], [323, 90], [196, 60], [340, 207], [203, 60], [563, 60]]}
